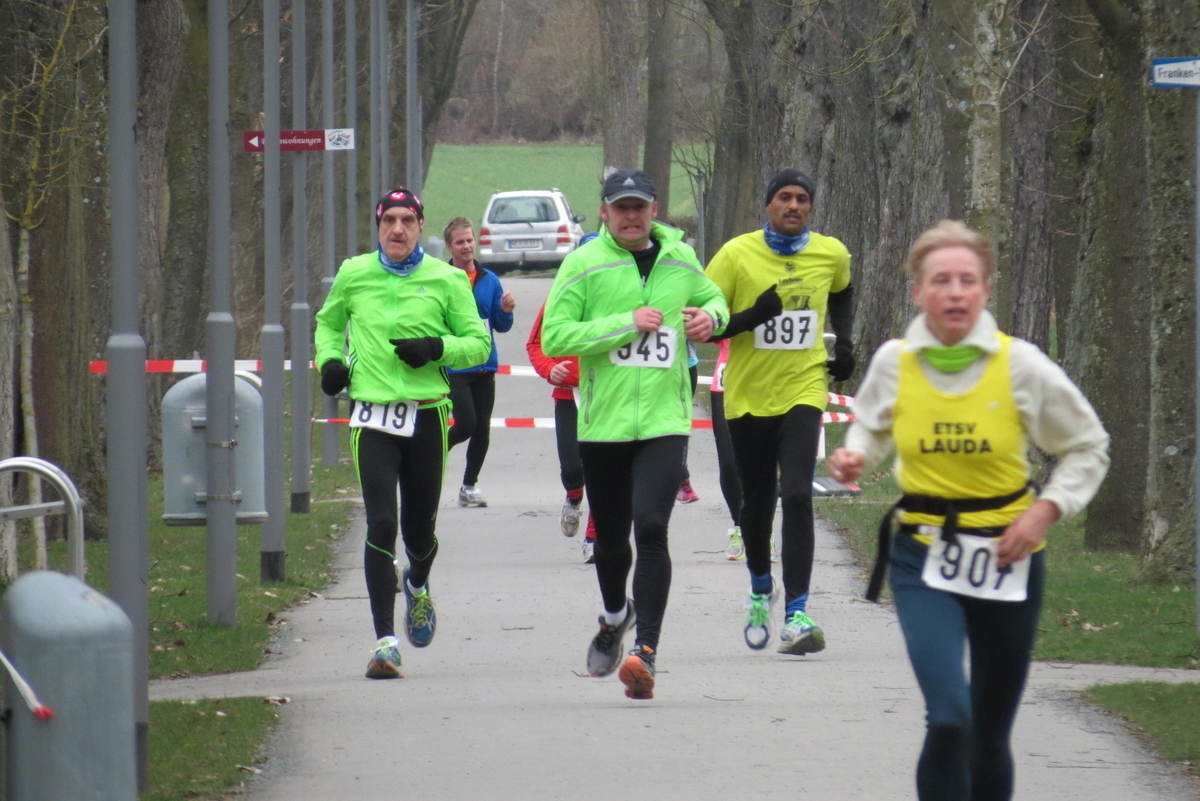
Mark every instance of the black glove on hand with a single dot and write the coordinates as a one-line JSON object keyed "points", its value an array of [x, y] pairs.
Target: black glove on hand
{"points": [[335, 376], [841, 366], [767, 305], [418, 351]]}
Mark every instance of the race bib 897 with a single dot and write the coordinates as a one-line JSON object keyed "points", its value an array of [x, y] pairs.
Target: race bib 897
{"points": [[789, 330]]}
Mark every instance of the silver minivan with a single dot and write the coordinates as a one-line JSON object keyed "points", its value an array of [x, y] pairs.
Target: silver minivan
{"points": [[528, 228]]}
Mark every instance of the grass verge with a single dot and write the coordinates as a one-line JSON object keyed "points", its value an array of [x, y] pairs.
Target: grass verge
{"points": [[1095, 610], [204, 750]]}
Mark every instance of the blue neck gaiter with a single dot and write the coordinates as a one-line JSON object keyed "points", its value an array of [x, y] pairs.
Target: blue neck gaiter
{"points": [[785, 245], [404, 267]]}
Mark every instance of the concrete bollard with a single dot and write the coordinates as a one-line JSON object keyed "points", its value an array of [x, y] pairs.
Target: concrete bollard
{"points": [[74, 647]]}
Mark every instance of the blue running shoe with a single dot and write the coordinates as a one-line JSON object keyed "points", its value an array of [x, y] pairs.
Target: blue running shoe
{"points": [[420, 621], [385, 660]]}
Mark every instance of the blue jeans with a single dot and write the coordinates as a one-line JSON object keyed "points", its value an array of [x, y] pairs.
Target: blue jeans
{"points": [[969, 719]]}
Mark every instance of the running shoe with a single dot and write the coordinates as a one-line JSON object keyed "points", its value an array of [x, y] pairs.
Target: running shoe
{"points": [[589, 552], [637, 673], [385, 660], [800, 635], [686, 494], [605, 651], [759, 606], [420, 621], [471, 496], [569, 519], [736, 551]]}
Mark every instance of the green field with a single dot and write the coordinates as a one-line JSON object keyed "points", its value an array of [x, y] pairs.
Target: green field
{"points": [[462, 177]]}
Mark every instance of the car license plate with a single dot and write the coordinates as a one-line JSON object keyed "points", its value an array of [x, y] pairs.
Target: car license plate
{"points": [[524, 244]]}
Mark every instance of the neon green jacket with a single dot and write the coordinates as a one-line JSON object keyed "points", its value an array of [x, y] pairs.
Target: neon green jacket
{"points": [[370, 305], [589, 313]]}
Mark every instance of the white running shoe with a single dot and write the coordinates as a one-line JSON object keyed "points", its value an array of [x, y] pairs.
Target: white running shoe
{"points": [[736, 551], [569, 520], [471, 496]]}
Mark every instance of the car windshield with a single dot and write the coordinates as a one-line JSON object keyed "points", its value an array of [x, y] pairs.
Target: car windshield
{"points": [[522, 210]]}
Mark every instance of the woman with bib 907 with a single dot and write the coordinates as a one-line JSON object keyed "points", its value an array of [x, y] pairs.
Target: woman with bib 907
{"points": [[961, 402]]}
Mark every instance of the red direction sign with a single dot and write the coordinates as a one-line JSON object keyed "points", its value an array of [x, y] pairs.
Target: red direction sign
{"points": [[319, 139]]}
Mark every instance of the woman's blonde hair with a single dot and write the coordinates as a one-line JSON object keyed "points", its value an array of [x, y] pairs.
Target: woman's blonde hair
{"points": [[452, 226], [950, 233]]}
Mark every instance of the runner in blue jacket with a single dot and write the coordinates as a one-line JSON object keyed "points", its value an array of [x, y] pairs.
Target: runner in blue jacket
{"points": [[473, 389]]}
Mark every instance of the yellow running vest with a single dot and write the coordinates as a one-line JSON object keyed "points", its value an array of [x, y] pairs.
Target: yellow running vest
{"points": [[961, 446]]}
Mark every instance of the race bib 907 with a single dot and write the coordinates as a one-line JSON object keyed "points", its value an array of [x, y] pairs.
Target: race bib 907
{"points": [[649, 349], [968, 566], [398, 418], [789, 330]]}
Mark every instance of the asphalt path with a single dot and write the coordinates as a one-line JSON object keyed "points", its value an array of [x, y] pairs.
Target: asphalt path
{"points": [[500, 705]]}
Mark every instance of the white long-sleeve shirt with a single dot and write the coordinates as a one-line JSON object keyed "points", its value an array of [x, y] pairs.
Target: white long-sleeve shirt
{"points": [[1056, 416]]}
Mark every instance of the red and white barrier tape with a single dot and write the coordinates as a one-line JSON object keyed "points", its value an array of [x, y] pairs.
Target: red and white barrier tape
{"points": [[39, 710], [548, 422], [100, 367]]}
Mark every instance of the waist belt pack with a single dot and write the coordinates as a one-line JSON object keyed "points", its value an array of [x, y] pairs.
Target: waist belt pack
{"points": [[948, 508]]}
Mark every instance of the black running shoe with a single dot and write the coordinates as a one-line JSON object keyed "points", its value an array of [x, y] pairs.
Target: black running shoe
{"points": [[605, 651]]}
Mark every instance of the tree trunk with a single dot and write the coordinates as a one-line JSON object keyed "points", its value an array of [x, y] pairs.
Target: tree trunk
{"points": [[1024, 300], [621, 66], [1108, 323], [1168, 532], [29, 428], [660, 100], [8, 364]]}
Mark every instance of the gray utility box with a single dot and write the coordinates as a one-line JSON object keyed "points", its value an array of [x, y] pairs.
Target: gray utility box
{"points": [[75, 649], [185, 453]]}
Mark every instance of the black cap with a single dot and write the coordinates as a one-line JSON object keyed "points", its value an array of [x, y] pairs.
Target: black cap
{"points": [[789, 177], [399, 197], [628, 183]]}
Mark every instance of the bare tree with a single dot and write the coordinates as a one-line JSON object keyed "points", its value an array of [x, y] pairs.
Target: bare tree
{"points": [[660, 97], [36, 121], [622, 27]]}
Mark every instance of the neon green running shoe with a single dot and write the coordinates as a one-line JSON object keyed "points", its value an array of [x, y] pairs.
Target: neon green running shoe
{"points": [[759, 606], [800, 635], [736, 551]]}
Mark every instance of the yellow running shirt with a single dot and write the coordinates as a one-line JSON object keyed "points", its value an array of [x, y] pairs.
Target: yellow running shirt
{"points": [[961, 446], [766, 381]]}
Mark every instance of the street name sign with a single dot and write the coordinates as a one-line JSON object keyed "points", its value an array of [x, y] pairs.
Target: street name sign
{"points": [[318, 139], [1184, 72]]}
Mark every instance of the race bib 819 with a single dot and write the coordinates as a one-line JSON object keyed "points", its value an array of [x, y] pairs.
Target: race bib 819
{"points": [[398, 418]]}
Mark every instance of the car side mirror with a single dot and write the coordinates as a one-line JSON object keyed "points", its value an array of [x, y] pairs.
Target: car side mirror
{"points": [[579, 218]]}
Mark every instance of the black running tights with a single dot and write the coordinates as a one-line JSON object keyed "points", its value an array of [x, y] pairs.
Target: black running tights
{"points": [[634, 483], [776, 458]]}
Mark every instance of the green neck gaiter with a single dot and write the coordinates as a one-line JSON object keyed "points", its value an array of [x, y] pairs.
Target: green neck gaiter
{"points": [[951, 358]]}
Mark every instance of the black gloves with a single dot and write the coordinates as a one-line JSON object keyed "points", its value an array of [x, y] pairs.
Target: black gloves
{"points": [[767, 305], [418, 351], [335, 376], [841, 366]]}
